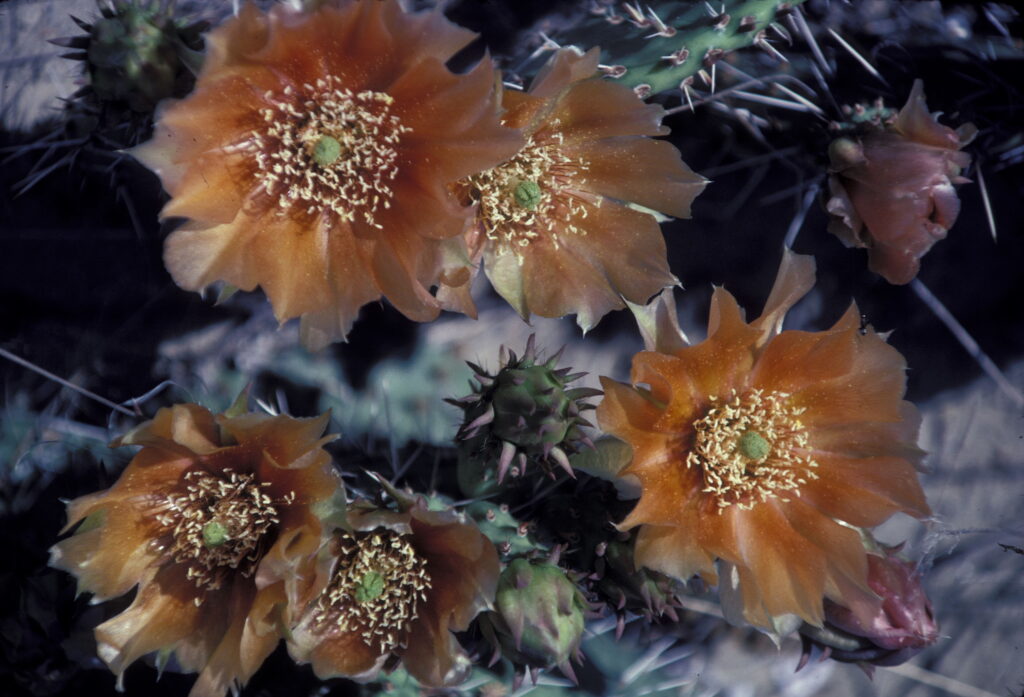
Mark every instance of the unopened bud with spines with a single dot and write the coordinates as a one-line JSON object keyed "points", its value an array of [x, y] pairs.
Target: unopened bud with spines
{"points": [[136, 53], [539, 615], [525, 413]]}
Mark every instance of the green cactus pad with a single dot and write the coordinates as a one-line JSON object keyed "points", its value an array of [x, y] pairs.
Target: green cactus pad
{"points": [[673, 41]]}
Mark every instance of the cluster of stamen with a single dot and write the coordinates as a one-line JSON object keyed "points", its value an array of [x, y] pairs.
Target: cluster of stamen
{"points": [[530, 196], [217, 524], [325, 148], [750, 448], [378, 583]]}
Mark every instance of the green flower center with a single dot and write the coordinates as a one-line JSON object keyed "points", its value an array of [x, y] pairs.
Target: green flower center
{"points": [[753, 446], [527, 194], [370, 586], [378, 585], [326, 151], [214, 534]]}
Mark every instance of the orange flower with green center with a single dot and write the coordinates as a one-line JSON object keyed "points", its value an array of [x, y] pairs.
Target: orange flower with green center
{"points": [[554, 225], [397, 584], [217, 521], [760, 452], [314, 157]]}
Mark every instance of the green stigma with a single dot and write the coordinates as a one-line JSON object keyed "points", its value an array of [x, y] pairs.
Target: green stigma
{"points": [[527, 194], [214, 534], [326, 151], [753, 446], [371, 586]]}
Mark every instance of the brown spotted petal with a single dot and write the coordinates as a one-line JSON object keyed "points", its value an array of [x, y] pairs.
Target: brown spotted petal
{"points": [[759, 451], [215, 520], [397, 583], [315, 155], [892, 190], [555, 225]]}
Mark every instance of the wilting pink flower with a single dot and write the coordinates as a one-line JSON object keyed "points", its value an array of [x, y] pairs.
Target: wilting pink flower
{"points": [[892, 188], [886, 632]]}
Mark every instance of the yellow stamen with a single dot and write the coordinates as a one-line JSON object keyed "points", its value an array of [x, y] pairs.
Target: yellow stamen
{"points": [[751, 448], [327, 150], [530, 196], [378, 583], [217, 524]]}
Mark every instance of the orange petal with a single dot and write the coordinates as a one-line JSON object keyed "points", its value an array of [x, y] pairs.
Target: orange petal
{"points": [[841, 545], [858, 440], [673, 551], [595, 108], [871, 389], [564, 68], [891, 477], [626, 413], [626, 247], [231, 41], [556, 283], [162, 614], [433, 656], [844, 499], [790, 570], [638, 170], [793, 281], [339, 654]]}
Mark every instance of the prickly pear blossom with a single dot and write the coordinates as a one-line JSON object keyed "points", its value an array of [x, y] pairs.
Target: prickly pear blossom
{"points": [[885, 632], [216, 521], [553, 225], [314, 156], [892, 187], [526, 412], [762, 450], [539, 615], [397, 583]]}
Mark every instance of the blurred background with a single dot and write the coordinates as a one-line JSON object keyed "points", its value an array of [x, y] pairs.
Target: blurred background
{"points": [[84, 295]]}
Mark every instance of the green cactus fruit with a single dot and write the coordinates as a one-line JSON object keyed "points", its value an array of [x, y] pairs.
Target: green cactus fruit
{"points": [[539, 615], [524, 413], [136, 53], [659, 46]]}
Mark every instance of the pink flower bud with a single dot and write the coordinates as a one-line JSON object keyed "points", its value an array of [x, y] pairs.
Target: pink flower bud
{"points": [[886, 631]]}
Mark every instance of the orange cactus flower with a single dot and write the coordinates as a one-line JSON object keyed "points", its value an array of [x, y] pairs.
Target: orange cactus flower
{"points": [[397, 583], [217, 521], [314, 156], [552, 226], [764, 451], [892, 189]]}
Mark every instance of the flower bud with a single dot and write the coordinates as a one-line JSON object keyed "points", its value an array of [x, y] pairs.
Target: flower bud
{"points": [[886, 632], [524, 413], [539, 615]]}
